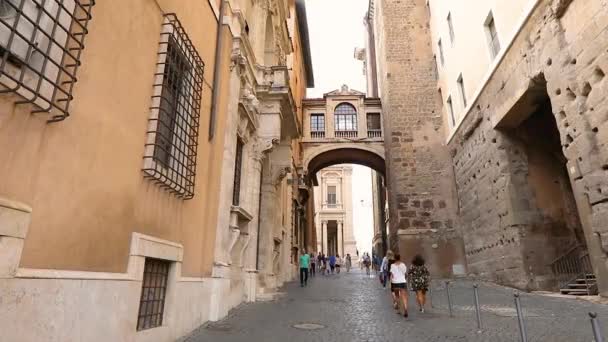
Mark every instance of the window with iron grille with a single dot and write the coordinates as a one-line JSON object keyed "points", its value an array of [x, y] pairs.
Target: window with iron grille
{"points": [[172, 139], [345, 117], [41, 42], [317, 123], [463, 96], [492, 34], [153, 294], [238, 165]]}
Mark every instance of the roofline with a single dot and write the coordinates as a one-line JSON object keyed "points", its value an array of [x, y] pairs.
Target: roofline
{"points": [[304, 37]]}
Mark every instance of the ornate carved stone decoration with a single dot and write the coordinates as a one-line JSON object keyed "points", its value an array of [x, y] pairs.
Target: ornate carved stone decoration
{"points": [[262, 147]]}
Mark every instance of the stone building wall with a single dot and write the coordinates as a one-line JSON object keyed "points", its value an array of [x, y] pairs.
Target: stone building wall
{"points": [[419, 172], [514, 220]]}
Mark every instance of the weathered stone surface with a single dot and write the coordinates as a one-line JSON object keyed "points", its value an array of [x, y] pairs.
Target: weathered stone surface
{"points": [[517, 212], [419, 172]]}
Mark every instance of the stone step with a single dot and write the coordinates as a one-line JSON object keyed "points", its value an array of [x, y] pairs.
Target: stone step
{"points": [[578, 292]]}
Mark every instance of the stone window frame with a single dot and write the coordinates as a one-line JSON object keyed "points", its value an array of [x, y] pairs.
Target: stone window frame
{"points": [[348, 118], [461, 90], [319, 125], [441, 56], [451, 111], [451, 28], [492, 35]]}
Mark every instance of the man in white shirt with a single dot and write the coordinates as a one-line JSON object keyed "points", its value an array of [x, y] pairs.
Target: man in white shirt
{"points": [[399, 283]]}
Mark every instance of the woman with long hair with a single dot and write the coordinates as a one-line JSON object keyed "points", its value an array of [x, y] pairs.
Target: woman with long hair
{"points": [[419, 277], [399, 283]]}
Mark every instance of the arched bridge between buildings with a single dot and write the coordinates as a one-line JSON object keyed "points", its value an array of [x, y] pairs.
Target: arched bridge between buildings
{"points": [[319, 155]]}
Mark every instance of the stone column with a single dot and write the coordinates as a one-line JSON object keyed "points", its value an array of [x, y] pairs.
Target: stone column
{"points": [[324, 236], [340, 238]]}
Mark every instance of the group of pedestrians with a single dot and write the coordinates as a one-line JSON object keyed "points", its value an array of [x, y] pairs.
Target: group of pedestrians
{"points": [[418, 276], [309, 264]]}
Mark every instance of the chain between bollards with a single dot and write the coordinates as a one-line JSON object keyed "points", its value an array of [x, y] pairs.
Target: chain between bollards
{"points": [[520, 318], [597, 333], [447, 289], [477, 309]]}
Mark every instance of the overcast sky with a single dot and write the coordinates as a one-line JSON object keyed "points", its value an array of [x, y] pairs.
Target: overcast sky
{"points": [[336, 29]]}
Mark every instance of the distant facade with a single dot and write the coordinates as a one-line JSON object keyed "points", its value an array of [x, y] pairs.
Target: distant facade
{"points": [[334, 211]]}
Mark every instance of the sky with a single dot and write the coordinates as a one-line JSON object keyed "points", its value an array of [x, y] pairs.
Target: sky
{"points": [[336, 29]]}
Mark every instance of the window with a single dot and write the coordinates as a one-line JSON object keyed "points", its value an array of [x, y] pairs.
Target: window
{"points": [[172, 141], [345, 117], [317, 123], [331, 196], [238, 165], [153, 294], [492, 34], [451, 110], [40, 47], [451, 28], [463, 96], [373, 121], [441, 52], [374, 128]]}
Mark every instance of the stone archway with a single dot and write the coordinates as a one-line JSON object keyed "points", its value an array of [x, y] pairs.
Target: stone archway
{"points": [[318, 157]]}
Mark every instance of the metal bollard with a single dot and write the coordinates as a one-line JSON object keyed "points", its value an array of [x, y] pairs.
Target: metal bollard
{"points": [[447, 289], [595, 325], [520, 318], [477, 309]]}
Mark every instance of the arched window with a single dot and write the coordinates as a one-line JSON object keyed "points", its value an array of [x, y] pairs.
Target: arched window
{"points": [[345, 117]]}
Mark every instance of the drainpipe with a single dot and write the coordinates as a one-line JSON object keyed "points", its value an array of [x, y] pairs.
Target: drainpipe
{"points": [[219, 47]]}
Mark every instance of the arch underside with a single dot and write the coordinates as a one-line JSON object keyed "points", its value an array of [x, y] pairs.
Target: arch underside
{"points": [[345, 155]]}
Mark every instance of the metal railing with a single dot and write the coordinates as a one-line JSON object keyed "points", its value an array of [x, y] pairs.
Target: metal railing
{"points": [[346, 134], [374, 133], [317, 134], [573, 265]]}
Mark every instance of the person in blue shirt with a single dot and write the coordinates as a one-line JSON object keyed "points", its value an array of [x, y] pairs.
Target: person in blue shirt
{"points": [[332, 263], [304, 265]]}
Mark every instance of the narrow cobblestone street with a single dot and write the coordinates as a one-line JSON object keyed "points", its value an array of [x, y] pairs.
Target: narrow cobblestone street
{"points": [[353, 307]]}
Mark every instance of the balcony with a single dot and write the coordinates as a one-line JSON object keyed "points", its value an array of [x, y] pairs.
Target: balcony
{"points": [[332, 206], [346, 134], [374, 133], [317, 134]]}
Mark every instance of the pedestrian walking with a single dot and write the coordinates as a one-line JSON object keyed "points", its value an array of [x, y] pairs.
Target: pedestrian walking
{"points": [[338, 263], [304, 265], [366, 262], [349, 262], [332, 263], [399, 284], [419, 280], [313, 265], [320, 263]]}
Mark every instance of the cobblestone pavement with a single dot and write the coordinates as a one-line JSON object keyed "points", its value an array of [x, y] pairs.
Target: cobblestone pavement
{"points": [[354, 307]]}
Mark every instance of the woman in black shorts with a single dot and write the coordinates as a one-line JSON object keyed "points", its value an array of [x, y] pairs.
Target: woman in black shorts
{"points": [[399, 284]]}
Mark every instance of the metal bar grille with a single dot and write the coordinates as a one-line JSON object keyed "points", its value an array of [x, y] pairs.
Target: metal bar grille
{"points": [[41, 42], [172, 141], [238, 165], [153, 294]]}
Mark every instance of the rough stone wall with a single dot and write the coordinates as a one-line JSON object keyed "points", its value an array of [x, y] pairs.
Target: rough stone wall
{"points": [[419, 172], [564, 43]]}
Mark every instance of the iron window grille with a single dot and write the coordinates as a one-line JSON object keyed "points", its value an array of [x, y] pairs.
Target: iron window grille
{"points": [[451, 28], [41, 42], [238, 166], [345, 117], [153, 294], [173, 129], [463, 96], [440, 46], [451, 110]]}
